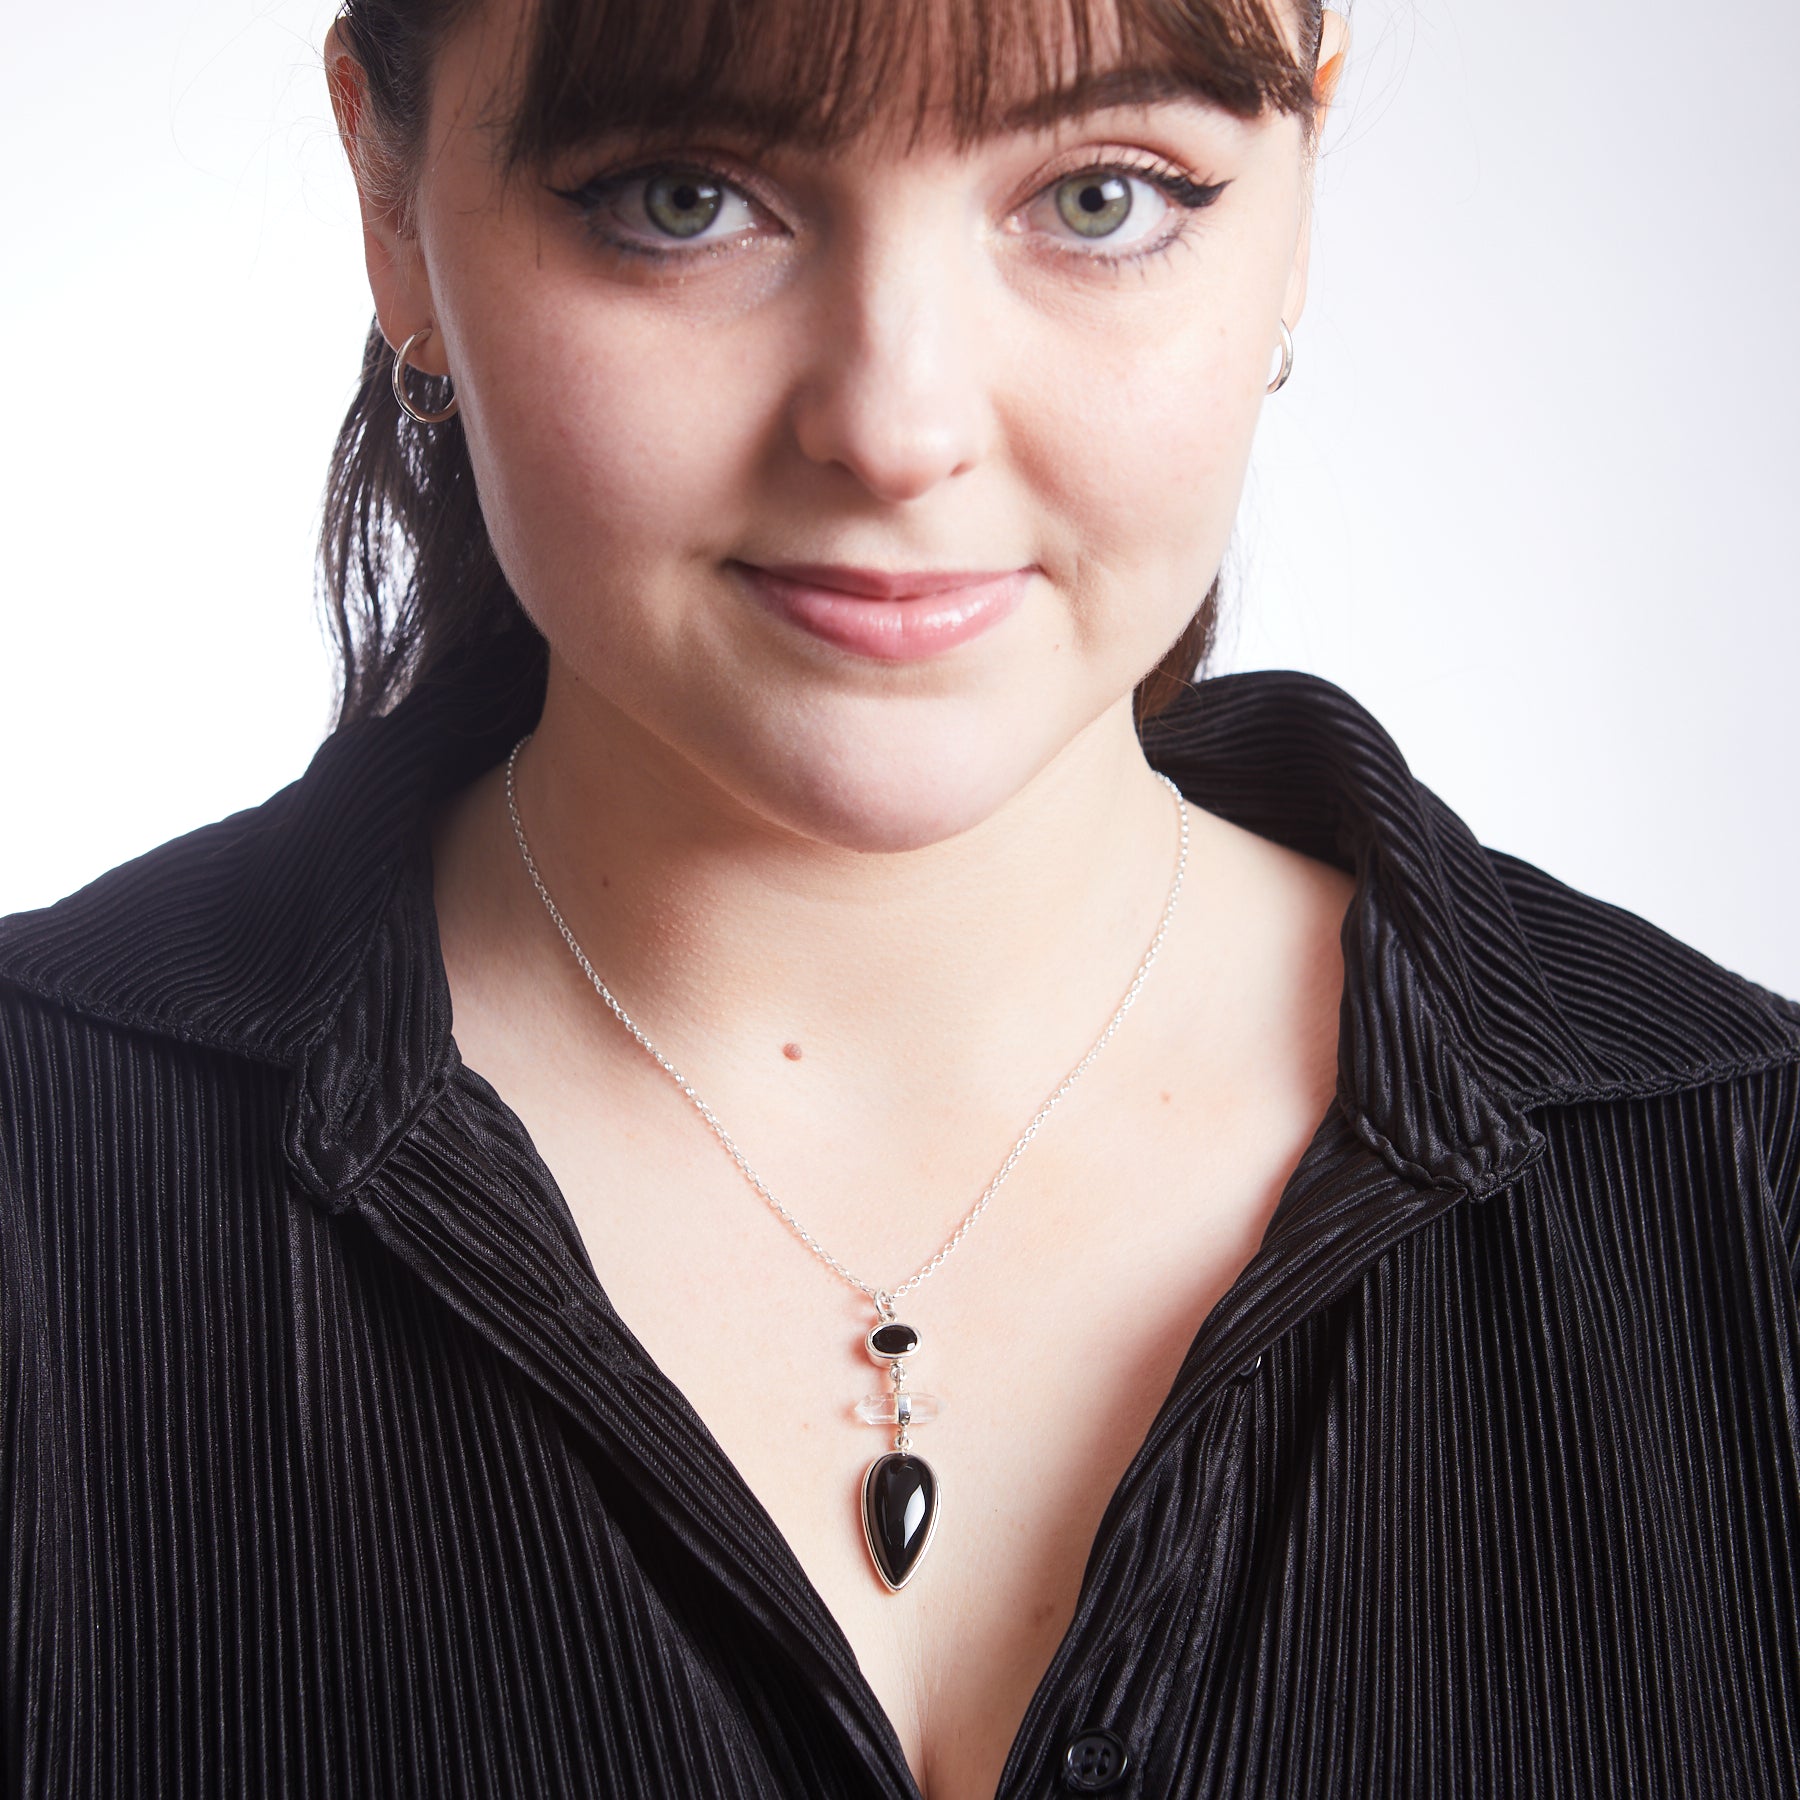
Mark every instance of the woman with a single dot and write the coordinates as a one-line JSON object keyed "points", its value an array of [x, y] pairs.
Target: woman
{"points": [[1227, 1286]]}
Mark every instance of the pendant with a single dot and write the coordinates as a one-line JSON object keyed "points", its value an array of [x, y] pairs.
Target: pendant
{"points": [[899, 1490]]}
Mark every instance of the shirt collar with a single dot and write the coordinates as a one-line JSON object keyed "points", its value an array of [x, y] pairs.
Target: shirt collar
{"points": [[302, 934]]}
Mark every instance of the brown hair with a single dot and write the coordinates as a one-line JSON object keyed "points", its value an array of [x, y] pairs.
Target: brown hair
{"points": [[410, 583]]}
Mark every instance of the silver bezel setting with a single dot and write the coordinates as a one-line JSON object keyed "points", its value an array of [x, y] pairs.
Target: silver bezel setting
{"points": [[931, 1524]]}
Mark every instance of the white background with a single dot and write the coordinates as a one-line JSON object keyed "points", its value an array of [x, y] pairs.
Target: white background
{"points": [[1529, 495]]}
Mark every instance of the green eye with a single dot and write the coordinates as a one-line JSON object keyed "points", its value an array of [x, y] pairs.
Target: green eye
{"points": [[682, 205], [1095, 205]]}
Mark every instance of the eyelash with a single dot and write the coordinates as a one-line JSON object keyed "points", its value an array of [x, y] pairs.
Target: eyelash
{"points": [[1184, 193]]}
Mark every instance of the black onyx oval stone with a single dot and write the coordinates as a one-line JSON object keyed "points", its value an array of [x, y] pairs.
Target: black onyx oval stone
{"points": [[900, 1498], [893, 1341]]}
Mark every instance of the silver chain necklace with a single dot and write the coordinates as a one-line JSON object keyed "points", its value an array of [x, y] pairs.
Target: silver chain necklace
{"points": [[900, 1491]]}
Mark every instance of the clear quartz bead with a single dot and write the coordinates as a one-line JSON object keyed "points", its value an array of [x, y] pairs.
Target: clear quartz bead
{"points": [[885, 1409]]}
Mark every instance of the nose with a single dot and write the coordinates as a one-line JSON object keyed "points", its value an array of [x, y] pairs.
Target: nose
{"points": [[894, 384]]}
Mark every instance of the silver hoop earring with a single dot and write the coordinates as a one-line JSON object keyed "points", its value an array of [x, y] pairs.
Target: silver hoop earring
{"points": [[1287, 360], [399, 380]]}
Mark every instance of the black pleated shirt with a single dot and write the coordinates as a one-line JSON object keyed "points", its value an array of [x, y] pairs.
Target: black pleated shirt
{"points": [[327, 1468]]}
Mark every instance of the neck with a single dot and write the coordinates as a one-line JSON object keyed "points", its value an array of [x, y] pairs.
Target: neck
{"points": [[992, 957]]}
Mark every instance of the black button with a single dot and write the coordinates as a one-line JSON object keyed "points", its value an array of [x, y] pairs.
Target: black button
{"points": [[1095, 1761]]}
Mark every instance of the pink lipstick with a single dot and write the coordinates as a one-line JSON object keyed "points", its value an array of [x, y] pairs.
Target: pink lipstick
{"points": [[891, 615]]}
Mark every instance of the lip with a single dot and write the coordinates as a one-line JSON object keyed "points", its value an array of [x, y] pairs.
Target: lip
{"points": [[890, 615]]}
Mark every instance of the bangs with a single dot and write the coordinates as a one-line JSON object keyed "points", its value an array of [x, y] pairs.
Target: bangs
{"points": [[815, 73]]}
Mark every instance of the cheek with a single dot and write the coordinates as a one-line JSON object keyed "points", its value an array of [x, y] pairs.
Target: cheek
{"points": [[1140, 465], [604, 453]]}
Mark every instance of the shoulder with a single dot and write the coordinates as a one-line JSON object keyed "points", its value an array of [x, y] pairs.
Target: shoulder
{"points": [[143, 1002], [239, 935], [295, 940], [1479, 989], [1639, 1009], [1553, 990], [205, 979], [1676, 1049], [130, 947], [246, 934]]}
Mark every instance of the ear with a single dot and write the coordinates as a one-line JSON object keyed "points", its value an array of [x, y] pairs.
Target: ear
{"points": [[397, 274], [1334, 42]]}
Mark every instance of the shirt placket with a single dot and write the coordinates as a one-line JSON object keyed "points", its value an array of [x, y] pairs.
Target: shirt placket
{"points": [[1343, 1210]]}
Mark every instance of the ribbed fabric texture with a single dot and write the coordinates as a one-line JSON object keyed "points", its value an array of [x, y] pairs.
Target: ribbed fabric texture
{"points": [[326, 1467]]}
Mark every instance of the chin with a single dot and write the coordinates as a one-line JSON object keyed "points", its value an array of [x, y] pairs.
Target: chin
{"points": [[906, 794], [883, 815]]}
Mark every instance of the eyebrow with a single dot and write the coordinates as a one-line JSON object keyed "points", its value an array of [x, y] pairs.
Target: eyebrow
{"points": [[1102, 89], [769, 122]]}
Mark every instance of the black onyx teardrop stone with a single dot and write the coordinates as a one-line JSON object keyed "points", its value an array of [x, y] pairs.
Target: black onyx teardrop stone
{"points": [[900, 1500], [893, 1340]]}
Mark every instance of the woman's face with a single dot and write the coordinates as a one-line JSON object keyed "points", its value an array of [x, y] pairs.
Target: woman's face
{"points": [[1041, 359]]}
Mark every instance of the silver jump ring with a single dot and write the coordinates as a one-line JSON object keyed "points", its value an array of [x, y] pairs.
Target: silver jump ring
{"points": [[399, 380], [1287, 360]]}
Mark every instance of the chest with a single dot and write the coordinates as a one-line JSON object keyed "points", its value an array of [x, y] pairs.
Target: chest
{"points": [[1050, 1338], [1509, 1501]]}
